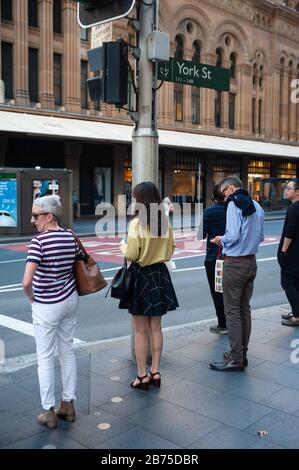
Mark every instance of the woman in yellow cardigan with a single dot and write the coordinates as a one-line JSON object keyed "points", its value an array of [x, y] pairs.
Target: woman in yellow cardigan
{"points": [[150, 244]]}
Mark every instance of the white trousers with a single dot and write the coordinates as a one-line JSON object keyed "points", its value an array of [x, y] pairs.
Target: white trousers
{"points": [[54, 327]]}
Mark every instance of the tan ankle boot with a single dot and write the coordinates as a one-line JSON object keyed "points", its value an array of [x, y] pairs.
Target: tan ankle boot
{"points": [[48, 418], [66, 411]]}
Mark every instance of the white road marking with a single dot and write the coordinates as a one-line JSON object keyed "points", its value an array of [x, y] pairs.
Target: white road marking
{"points": [[22, 326], [13, 261], [10, 288]]}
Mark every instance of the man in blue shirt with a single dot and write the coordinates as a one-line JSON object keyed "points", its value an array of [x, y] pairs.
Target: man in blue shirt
{"points": [[244, 232], [214, 219]]}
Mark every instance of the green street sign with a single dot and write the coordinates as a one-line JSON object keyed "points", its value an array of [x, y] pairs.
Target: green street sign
{"points": [[191, 73]]}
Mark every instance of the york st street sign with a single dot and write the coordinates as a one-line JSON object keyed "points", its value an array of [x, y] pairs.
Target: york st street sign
{"points": [[187, 72]]}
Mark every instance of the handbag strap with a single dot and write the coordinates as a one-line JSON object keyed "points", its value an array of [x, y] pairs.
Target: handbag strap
{"points": [[125, 266], [82, 248]]}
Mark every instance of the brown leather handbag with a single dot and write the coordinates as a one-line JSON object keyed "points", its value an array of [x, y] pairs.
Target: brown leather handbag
{"points": [[88, 276]]}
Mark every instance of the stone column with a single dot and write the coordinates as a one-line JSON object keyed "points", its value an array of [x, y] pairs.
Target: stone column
{"points": [[292, 112], [3, 148], [209, 179], [71, 58], [284, 110], [208, 98], [276, 102], [21, 53], [46, 54], [245, 107], [297, 124], [72, 153]]}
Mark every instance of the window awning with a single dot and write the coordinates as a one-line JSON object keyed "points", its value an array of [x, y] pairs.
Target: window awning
{"points": [[42, 126]]}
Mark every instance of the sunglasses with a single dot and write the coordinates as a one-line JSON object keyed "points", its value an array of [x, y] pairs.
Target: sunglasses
{"points": [[35, 216]]}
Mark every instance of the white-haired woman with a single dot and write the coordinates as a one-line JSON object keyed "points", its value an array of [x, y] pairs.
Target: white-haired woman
{"points": [[50, 286]]}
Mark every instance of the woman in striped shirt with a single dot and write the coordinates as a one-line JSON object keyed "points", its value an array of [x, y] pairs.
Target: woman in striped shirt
{"points": [[49, 284]]}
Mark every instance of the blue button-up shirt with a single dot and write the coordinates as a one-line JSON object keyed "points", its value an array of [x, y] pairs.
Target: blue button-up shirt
{"points": [[243, 234]]}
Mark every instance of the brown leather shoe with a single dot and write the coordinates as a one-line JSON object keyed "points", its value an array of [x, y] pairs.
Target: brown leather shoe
{"points": [[48, 418], [66, 411]]}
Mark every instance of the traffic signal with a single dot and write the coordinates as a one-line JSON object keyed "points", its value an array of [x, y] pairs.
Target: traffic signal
{"points": [[94, 12], [110, 62]]}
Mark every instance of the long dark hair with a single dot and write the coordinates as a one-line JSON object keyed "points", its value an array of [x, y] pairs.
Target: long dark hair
{"points": [[148, 199]]}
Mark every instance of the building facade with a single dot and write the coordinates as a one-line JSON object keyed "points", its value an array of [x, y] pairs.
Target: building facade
{"points": [[252, 130]]}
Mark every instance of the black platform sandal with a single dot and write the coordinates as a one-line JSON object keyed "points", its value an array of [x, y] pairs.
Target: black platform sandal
{"points": [[153, 381], [141, 385]]}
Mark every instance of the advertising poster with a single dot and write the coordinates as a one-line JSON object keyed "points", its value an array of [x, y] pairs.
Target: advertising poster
{"points": [[44, 188], [8, 200]]}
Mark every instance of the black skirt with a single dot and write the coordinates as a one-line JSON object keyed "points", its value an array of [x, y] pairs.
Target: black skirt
{"points": [[151, 292]]}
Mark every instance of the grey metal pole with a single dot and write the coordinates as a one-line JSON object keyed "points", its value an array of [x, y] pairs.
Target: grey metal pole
{"points": [[145, 138], [145, 135]]}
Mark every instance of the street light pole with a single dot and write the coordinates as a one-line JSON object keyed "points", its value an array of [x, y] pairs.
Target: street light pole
{"points": [[145, 137]]}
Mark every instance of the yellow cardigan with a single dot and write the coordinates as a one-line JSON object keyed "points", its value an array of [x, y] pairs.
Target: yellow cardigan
{"points": [[144, 249]]}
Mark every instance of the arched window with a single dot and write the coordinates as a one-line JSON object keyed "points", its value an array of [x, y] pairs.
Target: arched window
{"points": [[179, 49], [218, 57], [233, 61], [178, 88], [196, 90]]}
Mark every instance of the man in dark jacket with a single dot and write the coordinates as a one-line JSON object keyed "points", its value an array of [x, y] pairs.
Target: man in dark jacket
{"points": [[214, 220], [288, 255]]}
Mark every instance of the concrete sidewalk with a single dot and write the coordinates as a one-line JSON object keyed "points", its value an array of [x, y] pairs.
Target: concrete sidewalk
{"points": [[195, 408], [85, 227]]}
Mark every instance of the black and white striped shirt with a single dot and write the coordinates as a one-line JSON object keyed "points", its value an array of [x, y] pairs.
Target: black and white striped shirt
{"points": [[54, 251]]}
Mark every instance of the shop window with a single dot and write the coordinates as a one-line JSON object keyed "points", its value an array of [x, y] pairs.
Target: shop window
{"points": [[185, 179], [257, 171], [224, 167], [33, 75], [287, 169], [7, 69]]}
